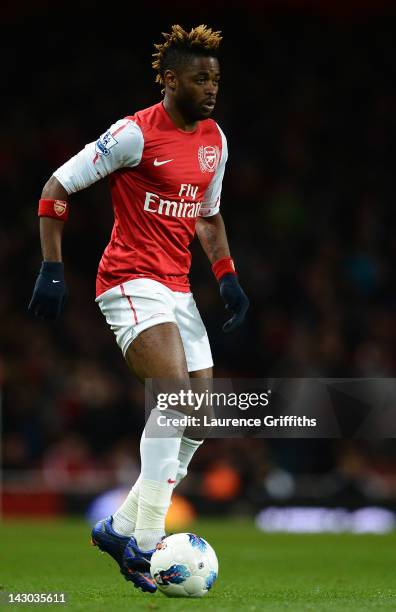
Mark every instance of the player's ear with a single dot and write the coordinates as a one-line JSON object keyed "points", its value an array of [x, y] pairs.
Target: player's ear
{"points": [[170, 79]]}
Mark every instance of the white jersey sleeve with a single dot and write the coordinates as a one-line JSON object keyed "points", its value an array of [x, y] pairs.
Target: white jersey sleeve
{"points": [[211, 202], [120, 147]]}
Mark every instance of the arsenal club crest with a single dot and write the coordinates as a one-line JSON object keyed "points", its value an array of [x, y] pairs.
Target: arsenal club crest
{"points": [[208, 158], [59, 207]]}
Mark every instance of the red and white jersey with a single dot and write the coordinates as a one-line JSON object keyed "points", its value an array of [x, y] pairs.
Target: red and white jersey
{"points": [[161, 179]]}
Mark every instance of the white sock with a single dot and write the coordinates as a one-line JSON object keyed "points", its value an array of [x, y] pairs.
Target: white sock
{"points": [[124, 519], [187, 449], [160, 463]]}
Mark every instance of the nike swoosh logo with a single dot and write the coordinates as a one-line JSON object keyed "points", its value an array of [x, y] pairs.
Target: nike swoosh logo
{"points": [[160, 163], [56, 281]]}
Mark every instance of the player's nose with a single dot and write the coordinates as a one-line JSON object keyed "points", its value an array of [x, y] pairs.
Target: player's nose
{"points": [[211, 90]]}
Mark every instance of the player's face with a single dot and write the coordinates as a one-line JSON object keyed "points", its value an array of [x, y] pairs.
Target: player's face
{"points": [[197, 87]]}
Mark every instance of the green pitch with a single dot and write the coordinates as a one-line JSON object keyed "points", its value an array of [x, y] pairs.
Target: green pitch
{"points": [[257, 571]]}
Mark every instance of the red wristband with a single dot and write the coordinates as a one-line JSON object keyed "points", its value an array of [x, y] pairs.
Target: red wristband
{"points": [[58, 209], [223, 266]]}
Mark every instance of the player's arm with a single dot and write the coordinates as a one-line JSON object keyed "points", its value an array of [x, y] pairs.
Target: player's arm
{"points": [[121, 146], [51, 229], [213, 238]]}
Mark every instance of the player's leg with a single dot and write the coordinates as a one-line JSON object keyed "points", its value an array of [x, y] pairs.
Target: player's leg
{"points": [[124, 519], [190, 442], [130, 310], [140, 312], [157, 353], [199, 363], [198, 356]]}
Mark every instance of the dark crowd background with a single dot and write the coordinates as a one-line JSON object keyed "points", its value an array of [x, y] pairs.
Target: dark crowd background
{"points": [[308, 106]]}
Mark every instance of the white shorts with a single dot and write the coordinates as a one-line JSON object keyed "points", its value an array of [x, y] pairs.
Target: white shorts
{"points": [[138, 304]]}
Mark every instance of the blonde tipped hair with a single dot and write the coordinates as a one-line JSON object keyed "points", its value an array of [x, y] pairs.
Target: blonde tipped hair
{"points": [[200, 41]]}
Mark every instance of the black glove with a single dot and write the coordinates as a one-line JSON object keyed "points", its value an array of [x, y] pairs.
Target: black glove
{"points": [[235, 301], [50, 292]]}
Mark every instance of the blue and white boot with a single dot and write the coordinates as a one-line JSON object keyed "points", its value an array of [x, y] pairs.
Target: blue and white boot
{"points": [[123, 549], [137, 561]]}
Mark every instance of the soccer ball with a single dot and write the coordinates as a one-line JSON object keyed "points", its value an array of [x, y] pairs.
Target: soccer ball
{"points": [[184, 565]]}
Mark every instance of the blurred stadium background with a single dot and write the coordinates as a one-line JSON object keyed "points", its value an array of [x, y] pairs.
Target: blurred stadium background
{"points": [[308, 106]]}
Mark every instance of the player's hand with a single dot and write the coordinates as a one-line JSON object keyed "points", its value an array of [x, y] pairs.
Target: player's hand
{"points": [[235, 301], [50, 292]]}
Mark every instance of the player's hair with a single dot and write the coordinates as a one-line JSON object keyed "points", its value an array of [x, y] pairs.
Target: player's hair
{"points": [[180, 45]]}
